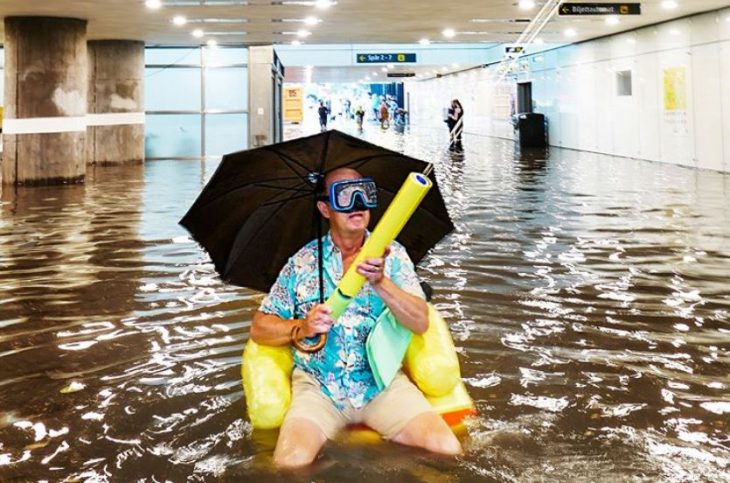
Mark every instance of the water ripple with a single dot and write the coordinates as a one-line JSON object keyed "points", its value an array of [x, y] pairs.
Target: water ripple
{"points": [[587, 296]]}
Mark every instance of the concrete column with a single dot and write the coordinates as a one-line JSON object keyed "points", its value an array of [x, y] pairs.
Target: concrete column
{"points": [[44, 125], [115, 132], [265, 78]]}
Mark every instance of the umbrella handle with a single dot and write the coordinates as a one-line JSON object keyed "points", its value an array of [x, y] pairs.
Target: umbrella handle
{"points": [[299, 344]]}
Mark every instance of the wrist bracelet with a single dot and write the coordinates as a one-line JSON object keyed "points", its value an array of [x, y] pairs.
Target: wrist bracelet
{"points": [[294, 333]]}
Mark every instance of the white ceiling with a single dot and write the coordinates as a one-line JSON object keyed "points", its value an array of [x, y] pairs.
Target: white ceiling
{"points": [[349, 21]]}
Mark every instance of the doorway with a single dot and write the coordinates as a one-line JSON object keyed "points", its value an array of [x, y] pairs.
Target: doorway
{"points": [[524, 97]]}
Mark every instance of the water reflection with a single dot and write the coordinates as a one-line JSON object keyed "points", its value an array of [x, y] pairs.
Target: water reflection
{"points": [[587, 295]]}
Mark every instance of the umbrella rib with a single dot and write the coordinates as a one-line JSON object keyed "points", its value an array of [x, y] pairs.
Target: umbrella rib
{"points": [[261, 184], [360, 161], [287, 160], [286, 189], [281, 204], [291, 198]]}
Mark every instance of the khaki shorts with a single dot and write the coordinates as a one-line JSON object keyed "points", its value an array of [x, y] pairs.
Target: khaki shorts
{"points": [[388, 413]]}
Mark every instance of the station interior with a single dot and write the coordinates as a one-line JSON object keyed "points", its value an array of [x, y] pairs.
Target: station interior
{"points": [[585, 282]]}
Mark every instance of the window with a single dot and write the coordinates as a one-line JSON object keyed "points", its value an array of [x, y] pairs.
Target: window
{"points": [[173, 136], [623, 83], [196, 101]]}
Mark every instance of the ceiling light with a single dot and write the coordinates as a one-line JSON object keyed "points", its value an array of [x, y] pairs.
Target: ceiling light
{"points": [[384, 69], [324, 3], [669, 4], [448, 33], [570, 32], [538, 41], [526, 4], [428, 42], [675, 32], [444, 69], [179, 20], [727, 19], [303, 33], [311, 20], [455, 66], [198, 33], [212, 43], [296, 42], [612, 20], [390, 66], [153, 4], [631, 40]]}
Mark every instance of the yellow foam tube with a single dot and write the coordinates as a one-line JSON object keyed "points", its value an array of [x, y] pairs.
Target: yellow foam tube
{"points": [[267, 377], [266, 373], [399, 211], [431, 359]]}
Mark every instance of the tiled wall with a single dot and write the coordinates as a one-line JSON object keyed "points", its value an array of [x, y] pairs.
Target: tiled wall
{"points": [[679, 110]]}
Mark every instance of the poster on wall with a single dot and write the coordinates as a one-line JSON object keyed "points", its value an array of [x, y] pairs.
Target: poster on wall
{"points": [[675, 99]]}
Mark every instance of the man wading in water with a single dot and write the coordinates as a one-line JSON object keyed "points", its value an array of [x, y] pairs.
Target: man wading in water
{"points": [[335, 387]]}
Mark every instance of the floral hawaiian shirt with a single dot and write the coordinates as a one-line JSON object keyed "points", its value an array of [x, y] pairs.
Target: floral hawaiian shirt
{"points": [[342, 367]]}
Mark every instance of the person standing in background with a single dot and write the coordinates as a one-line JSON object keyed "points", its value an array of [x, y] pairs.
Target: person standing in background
{"points": [[359, 116], [323, 114], [455, 122]]}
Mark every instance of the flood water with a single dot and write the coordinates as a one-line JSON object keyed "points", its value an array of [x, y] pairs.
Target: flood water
{"points": [[588, 297]]}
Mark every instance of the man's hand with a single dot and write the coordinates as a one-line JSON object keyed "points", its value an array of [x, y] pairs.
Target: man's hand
{"points": [[373, 269], [318, 321]]}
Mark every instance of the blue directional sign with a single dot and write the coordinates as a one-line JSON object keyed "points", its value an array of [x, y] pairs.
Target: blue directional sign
{"points": [[599, 9], [386, 58]]}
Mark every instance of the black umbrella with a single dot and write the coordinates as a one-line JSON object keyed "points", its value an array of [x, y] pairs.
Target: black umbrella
{"points": [[259, 207]]}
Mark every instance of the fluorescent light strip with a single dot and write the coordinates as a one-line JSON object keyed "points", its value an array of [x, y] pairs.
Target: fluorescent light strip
{"points": [[500, 20], [218, 20], [318, 3], [225, 33], [206, 3]]}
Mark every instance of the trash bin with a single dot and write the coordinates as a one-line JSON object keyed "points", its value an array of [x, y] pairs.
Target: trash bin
{"points": [[532, 127]]}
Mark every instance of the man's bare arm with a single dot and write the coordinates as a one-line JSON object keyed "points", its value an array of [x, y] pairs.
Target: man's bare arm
{"points": [[272, 330]]}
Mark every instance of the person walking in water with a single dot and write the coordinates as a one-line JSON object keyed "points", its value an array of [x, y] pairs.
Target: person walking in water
{"points": [[323, 114], [455, 122], [384, 116]]}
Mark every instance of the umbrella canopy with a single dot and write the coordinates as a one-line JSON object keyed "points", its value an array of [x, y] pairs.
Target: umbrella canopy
{"points": [[259, 207]]}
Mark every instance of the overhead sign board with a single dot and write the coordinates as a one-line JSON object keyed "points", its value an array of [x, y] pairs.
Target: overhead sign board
{"points": [[401, 74], [514, 50], [599, 9], [386, 58]]}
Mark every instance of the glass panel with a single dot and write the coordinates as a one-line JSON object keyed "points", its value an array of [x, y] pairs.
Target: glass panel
{"points": [[226, 89], [172, 89], [159, 56], [225, 56], [172, 135], [225, 133]]}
